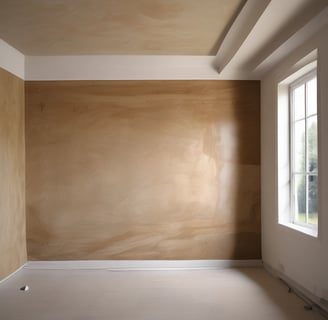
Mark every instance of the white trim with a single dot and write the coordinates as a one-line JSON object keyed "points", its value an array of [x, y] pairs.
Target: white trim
{"points": [[306, 65], [128, 67], [14, 272], [115, 67], [12, 60], [127, 265], [297, 288], [313, 232]]}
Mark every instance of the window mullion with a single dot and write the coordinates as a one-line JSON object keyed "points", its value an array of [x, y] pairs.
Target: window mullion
{"points": [[291, 155], [306, 158]]}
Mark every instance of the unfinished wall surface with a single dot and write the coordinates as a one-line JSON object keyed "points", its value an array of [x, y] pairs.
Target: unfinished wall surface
{"points": [[12, 174], [143, 170]]}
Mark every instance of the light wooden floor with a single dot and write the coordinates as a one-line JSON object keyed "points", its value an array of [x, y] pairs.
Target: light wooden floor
{"points": [[247, 293]]}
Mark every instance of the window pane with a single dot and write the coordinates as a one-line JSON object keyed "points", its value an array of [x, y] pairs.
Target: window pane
{"points": [[312, 144], [299, 146], [299, 198], [299, 102], [313, 199], [311, 92]]}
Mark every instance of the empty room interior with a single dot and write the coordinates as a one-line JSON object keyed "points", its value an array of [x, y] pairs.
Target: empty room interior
{"points": [[163, 159]]}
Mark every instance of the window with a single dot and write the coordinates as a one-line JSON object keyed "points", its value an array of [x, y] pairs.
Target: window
{"points": [[304, 151], [297, 146]]}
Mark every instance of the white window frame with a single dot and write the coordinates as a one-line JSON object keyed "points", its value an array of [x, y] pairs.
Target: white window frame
{"points": [[295, 84], [283, 147]]}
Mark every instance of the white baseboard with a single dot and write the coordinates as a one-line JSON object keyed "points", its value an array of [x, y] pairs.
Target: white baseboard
{"points": [[125, 265], [10, 275], [302, 292]]}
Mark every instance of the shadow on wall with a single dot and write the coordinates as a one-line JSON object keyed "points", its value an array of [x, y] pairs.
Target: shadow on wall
{"points": [[143, 170], [247, 237]]}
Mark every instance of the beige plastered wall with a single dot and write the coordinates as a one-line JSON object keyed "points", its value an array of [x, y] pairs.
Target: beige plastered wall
{"points": [[12, 174]]}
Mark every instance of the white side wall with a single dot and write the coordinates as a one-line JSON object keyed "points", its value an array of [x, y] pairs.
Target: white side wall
{"points": [[299, 257]]}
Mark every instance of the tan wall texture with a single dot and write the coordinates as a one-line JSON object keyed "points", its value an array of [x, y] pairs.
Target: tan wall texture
{"points": [[143, 170], [12, 174]]}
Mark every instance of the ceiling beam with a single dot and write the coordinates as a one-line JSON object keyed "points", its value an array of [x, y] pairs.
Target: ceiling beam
{"points": [[293, 42], [12, 60], [287, 27], [239, 31]]}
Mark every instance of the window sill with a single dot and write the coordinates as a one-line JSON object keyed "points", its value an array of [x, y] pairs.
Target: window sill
{"points": [[309, 231]]}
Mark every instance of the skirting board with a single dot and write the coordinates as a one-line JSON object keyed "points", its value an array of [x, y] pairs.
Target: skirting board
{"points": [[128, 265], [10, 275], [303, 293]]}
